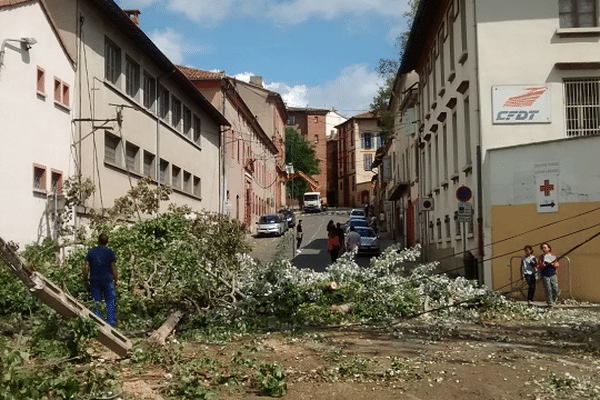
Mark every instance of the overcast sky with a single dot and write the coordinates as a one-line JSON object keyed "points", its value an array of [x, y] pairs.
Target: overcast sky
{"points": [[317, 53]]}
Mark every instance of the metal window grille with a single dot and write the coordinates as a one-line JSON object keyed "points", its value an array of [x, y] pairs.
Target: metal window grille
{"points": [[582, 106]]}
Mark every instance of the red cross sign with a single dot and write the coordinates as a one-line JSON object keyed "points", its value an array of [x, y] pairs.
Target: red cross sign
{"points": [[546, 187], [546, 192]]}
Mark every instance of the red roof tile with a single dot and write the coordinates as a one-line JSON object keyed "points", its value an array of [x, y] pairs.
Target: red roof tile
{"points": [[6, 3], [199, 74]]}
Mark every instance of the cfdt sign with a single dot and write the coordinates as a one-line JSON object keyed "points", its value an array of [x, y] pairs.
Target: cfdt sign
{"points": [[521, 104]]}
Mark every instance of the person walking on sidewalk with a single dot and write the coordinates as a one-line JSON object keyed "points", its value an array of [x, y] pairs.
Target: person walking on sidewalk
{"points": [[299, 235], [101, 264]]}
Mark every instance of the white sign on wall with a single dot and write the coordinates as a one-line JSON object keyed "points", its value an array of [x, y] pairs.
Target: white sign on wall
{"points": [[546, 186], [521, 104]]}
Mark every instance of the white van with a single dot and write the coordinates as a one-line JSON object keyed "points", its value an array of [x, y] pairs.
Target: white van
{"points": [[312, 202]]}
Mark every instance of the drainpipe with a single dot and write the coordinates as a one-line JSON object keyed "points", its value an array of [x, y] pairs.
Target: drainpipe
{"points": [[479, 154]]}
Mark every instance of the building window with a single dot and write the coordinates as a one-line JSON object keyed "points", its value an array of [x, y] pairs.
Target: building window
{"points": [[41, 81], [196, 189], [56, 181], [439, 229], [163, 102], [366, 141], [164, 172], [61, 93], [197, 127], [368, 161], [455, 142], [316, 139], [582, 106], [445, 150], [149, 165], [149, 91], [112, 61], [380, 140], [463, 24], [112, 149], [447, 225], [577, 13], [187, 122], [176, 177], [467, 131], [291, 120], [132, 157], [39, 177], [187, 182], [132, 78], [175, 112]]}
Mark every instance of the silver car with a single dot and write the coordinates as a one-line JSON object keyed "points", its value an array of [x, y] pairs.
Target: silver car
{"points": [[271, 225], [369, 241]]}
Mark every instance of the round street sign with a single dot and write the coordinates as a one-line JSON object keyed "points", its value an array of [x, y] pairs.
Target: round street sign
{"points": [[463, 193]]}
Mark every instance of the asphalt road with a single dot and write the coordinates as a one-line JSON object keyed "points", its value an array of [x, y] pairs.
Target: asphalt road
{"points": [[313, 252]]}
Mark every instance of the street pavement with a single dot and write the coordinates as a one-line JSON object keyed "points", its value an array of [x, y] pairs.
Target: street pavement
{"points": [[313, 252]]}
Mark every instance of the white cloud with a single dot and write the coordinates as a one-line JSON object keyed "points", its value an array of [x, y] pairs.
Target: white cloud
{"points": [[351, 92], [172, 45], [207, 11], [298, 11], [287, 11]]}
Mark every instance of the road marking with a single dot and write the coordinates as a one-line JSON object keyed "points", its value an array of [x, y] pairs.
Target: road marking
{"points": [[317, 231]]}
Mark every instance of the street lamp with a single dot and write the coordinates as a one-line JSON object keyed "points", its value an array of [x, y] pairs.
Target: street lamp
{"points": [[26, 43]]}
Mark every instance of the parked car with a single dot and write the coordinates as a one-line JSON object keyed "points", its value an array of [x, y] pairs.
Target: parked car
{"points": [[271, 225], [369, 241], [289, 217], [357, 222], [357, 213]]}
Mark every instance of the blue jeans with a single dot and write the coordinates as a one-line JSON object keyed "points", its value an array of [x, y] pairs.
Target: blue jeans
{"points": [[530, 279], [106, 291]]}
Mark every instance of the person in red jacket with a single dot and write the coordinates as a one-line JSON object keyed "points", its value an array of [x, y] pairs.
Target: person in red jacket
{"points": [[547, 264]]}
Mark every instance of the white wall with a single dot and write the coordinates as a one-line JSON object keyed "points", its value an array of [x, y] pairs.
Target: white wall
{"points": [[33, 128]]}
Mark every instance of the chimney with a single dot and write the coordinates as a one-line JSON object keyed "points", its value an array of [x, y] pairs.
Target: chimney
{"points": [[256, 80], [134, 15]]}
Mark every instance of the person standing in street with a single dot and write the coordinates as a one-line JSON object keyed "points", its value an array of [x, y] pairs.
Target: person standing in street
{"points": [[340, 232], [299, 235], [101, 265], [333, 244], [547, 264], [353, 240], [529, 271]]}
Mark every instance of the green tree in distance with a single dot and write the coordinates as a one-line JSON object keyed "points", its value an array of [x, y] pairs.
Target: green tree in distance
{"points": [[388, 68], [301, 155]]}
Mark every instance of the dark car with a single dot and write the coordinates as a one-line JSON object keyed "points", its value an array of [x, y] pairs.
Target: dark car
{"points": [[289, 217], [357, 222]]}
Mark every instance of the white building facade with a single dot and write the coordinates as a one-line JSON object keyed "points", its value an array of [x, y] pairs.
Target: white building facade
{"points": [[494, 75], [136, 115], [36, 89]]}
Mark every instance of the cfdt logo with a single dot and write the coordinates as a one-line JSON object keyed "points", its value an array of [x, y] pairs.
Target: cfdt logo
{"points": [[520, 104]]}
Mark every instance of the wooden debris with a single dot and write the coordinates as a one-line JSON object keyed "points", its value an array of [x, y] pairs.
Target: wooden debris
{"points": [[158, 336]]}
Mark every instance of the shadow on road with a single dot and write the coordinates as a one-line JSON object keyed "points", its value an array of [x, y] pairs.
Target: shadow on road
{"points": [[314, 255]]}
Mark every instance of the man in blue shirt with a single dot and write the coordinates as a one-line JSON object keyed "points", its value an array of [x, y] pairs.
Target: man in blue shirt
{"points": [[101, 264]]}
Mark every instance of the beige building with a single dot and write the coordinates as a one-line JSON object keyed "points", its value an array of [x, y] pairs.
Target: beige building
{"points": [[135, 114], [269, 109], [358, 140], [249, 156], [36, 102], [485, 95]]}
